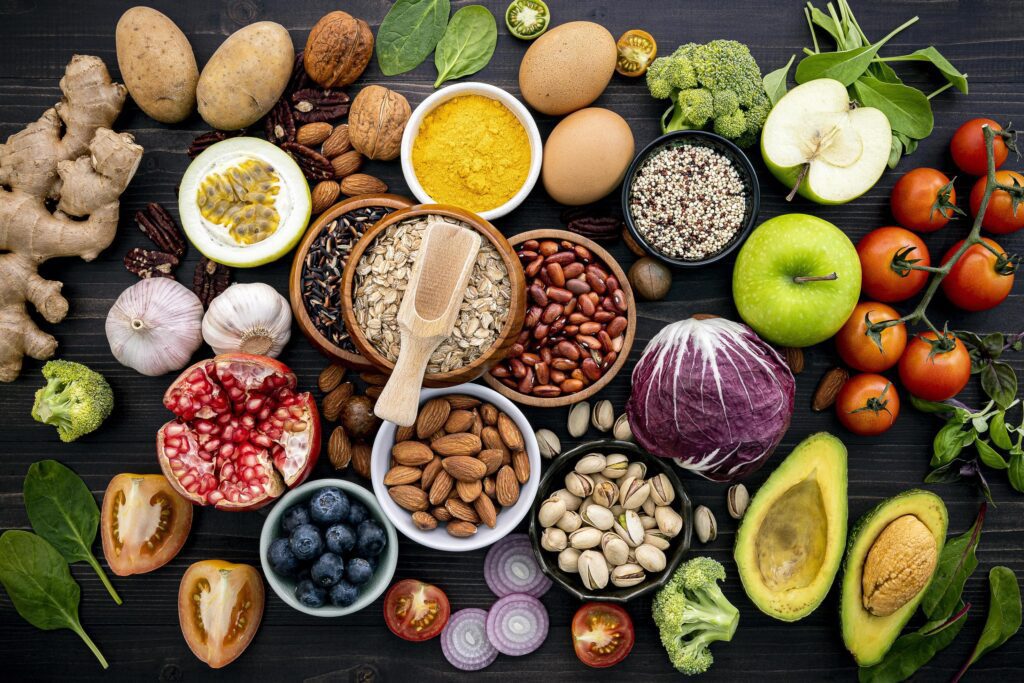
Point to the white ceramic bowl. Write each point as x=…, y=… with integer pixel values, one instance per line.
x=438, y=538
x=474, y=88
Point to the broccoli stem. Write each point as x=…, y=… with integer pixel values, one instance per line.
x=54, y=405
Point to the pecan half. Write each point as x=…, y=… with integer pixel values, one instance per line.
x=207, y=139
x=299, y=79
x=159, y=226
x=146, y=264
x=279, y=124
x=210, y=280
x=317, y=104
x=590, y=222
x=314, y=165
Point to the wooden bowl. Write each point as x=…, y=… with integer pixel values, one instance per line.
x=337, y=354
x=620, y=275
x=517, y=302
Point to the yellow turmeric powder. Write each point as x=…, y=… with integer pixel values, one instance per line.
x=471, y=151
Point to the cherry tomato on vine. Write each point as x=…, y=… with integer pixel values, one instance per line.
x=1002, y=215
x=923, y=200
x=861, y=351
x=416, y=611
x=868, y=404
x=980, y=279
x=935, y=369
x=885, y=256
x=602, y=634
x=968, y=147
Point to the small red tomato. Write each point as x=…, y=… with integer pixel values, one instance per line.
x=416, y=611
x=923, y=200
x=868, y=404
x=980, y=279
x=935, y=369
x=968, y=147
x=1001, y=215
x=885, y=256
x=859, y=350
x=602, y=634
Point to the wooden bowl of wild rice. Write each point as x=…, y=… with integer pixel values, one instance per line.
x=314, y=287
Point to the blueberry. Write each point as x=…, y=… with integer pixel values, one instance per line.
x=357, y=514
x=370, y=539
x=328, y=505
x=359, y=571
x=343, y=594
x=310, y=594
x=374, y=561
x=306, y=542
x=294, y=516
x=282, y=559
x=327, y=570
x=340, y=538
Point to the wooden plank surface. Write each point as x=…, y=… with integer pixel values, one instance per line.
x=142, y=639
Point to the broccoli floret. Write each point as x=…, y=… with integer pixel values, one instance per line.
x=691, y=612
x=75, y=400
x=665, y=75
x=726, y=102
x=695, y=106
x=731, y=125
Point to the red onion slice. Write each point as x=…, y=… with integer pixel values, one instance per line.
x=464, y=640
x=511, y=567
x=517, y=624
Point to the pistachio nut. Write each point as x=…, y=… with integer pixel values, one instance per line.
x=737, y=500
x=551, y=510
x=633, y=492
x=615, y=550
x=591, y=463
x=593, y=570
x=626, y=575
x=568, y=559
x=585, y=537
x=669, y=521
x=598, y=517
x=649, y=506
x=603, y=416
x=657, y=539
x=605, y=493
x=579, y=419
x=621, y=429
x=631, y=557
x=615, y=465
x=579, y=484
x=628, y=526
x=617, y=509
x=637, y=469
x=704, y=524
x=554, y=539
x=548, y=443
x=648, y=522
x=650, y=558
x=598, y=478
x=571, y=500
x=569, y=522
x=584, y=504
x=662, y=490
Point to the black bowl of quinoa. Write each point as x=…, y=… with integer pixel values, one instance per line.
x=690, y=198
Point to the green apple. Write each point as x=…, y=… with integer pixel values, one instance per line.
x=796, y=280
x=817, y=143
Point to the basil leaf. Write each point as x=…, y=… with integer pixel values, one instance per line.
x=993, y=344
x=997, y=431
x=1016, y=471
x=913, y=650
x=934, y=407
x=409, y=33
x=948, y=71
x=39, y=584
x=1004, y=614
x=999, y=381
x=775, y=82
x=956, y=564
x=990, y=456
x=62, y=510
x=948, y=443
x=946, y=474
x=467, y=45
x=908, y=110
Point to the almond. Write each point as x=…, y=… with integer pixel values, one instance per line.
x=339, y=448
x=347, y=164
x=462, y=511
x=459, y=421
x=441, y=514
x=430, y=471
x=374, y=392
x=491, y=458
x=485, y=511
x=424, y=521
x=464, y=468
x=312, y=134
x=432, y=417
x=437, y=435
x=411, y=453
x=828, y=388
x=794, y=359
x=410, y=498
x=332, y=401
x=402, y=474
x=490, y=414
x=509, y=432
x=456, y=445
x=361, y=459
x=461, y=529
x=441, y=487
x=362, y=183
x=477, y=428
x=469, y=491
x=323, y=196
x=490, y=437
x=489, y=487
x=330, y=378
x=404, y=434
x=521, y=466
x=376, y=379
x=506, y=487
x=337, y=142
x=462, y=402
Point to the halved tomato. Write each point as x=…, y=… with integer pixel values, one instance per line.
x=220, y=606
x=144, y=523
x=637, y=50
x=602, y=634
x=416, y=611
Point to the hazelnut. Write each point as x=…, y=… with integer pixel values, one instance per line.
x=338, y=49
x=376, y=122
x=357, y=417
x=650, y=279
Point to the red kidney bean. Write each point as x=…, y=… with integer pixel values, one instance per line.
x=573, y=270
x=546, y=355
x=533, y=268
x=530, y=358
x=558, y=376
x=547, y=391
x=500, y=371
x=589, y=342
x=603, y=316
x=571, y=386
x=596, y=283
x=523, y=337
x=618, y=343
x=563, y=364
x=578, y=374
x=543, y=277
x=619, y=299
x=551, y=313
x=597, y=271
x=562, y=296
x=587, y=306
x=591, y=369
x=569, y=307
x=538, y=294
x=606, y=341
x=531, y=245
x=557, y=327
x=562, y=258
x=577, y=286
x=511, y=384
x=532, y=316
x=541, y=331
x=583, y=253
x=526, y=383
x=571, y=330
x=567, y=350
x=543, y=375
x=578, y=319
x=612, y=283
x=608, y=305
x=590, y=328
x=548, y=247
x=518, y=368
x=554, y=272
x=616, y=327
x=609, y=359
x=527, y=255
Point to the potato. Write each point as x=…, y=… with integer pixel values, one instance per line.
x=246, y=76
x=157, y=64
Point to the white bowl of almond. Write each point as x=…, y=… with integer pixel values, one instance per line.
x=464, y=475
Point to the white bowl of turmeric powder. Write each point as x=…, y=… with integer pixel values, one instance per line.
x=474, y=146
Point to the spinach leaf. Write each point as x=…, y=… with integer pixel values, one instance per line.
x=845, y=66
x=63, y=511
x=990, y=456
x=884, y=72
x=1004, y=615
x=409, y=33
x=911, y=651
x=775, y=82
x=930, y=54
x=997, y=430
x=999, y=381
x=895, y=152
x=39, y=584
x=467, y=45
x=1016, y=471
x=908, y=110
x=956, y=564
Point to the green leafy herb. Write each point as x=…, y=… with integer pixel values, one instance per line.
x=775, y=82
x=990, y=456
x=999, y=381
x=906, y=108
x=957, y=562
x=997, y=431
x=409, y=33
x=1016, y=471
x=39, y=584
x=911, y=651
x=467, y=45
x=63, y=511
x=950, y=440
x=930, y=54
x=1004, y=615
x=845, y=66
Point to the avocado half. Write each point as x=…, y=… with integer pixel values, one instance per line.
x=869, y=637
x=791, y=540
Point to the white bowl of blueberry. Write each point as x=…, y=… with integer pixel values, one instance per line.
x=327, y=549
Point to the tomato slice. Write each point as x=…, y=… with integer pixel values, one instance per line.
x=220, y=606
x=602, y=634
x=416, y=611
x=637, y=49
x=144, y=523
x=527, y=19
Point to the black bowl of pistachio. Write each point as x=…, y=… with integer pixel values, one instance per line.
x=610, y=521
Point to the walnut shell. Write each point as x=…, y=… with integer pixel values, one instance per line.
x=376, y=122
x=338, y=49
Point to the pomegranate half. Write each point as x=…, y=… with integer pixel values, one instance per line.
x=242, y=436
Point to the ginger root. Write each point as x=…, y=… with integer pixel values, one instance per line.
x=71, y=161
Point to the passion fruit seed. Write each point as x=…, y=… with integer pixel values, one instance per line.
x=242, y=199
x=899, y=565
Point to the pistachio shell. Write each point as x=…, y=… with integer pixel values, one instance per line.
x=626, y=575
x=657, y=539
x=633, y=492
x=605, y=493
x=615, y=465
x=551, y=510
x=615, y=550
x=598, y=517
x=621, y=429
x=648, y=522
x=579, y=419
x=584, y=538
x=548, y=443
x=569, y=522
x=593, y=570
x=571, y=500
x=704, y=524
x=568, y=560
x=590, y=464
x=628, y=526
x=637, y=469
x=554, y=539
x=662, y=490
x=669, y=521
x=650, y=558
x=579, y=484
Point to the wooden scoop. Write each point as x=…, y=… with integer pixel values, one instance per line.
x=427, y=314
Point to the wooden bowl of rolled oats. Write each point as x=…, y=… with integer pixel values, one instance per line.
x=378, y=269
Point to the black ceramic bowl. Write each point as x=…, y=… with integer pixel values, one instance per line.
x=719, y=144
x=554, y=479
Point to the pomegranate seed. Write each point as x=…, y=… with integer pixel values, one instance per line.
x=227, y=470
x=297, y=426
x=204, y=426
x=240, y=435
x=215, y=497
x=188, y=479
x=170, y=451
x=296, y=411
x=248, y=421
x=212, y=445
x=229, y=433
x=227, y=450
x=255, y=490
x=262, y=440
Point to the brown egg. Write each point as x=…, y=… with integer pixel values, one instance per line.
x=586, y=156
x=568, y=67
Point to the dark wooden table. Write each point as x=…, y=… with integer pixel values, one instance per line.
x=141, y=638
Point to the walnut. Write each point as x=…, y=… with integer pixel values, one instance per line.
x=376, y=122
x=338, y=49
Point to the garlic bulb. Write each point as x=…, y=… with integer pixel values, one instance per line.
x=155, y=326
x=250, y=318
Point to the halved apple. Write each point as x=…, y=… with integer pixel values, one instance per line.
x=822, y=145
